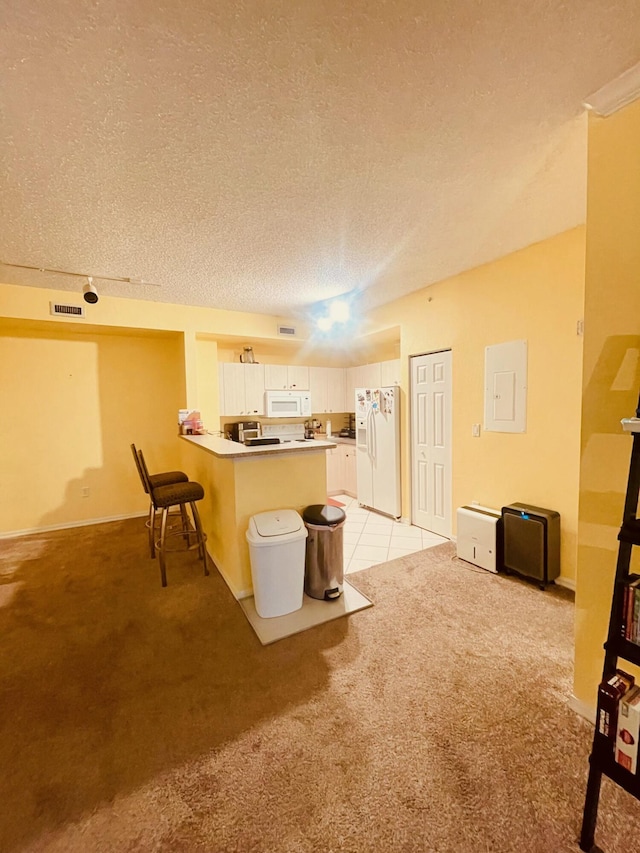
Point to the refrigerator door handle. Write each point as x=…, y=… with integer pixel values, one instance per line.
x=371, y=438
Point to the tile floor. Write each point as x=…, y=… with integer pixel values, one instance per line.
x=371, y=538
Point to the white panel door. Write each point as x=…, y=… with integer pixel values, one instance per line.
x=431, y=442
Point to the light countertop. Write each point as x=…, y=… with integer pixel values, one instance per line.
x=224, y=448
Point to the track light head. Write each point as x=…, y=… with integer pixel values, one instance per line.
x=89, y=292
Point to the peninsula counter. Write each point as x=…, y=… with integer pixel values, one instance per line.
x=241, y=481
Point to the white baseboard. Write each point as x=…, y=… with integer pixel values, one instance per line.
x=586, y=711
x=12, y=534
x=567, y=583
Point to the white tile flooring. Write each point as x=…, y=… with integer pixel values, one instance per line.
x=370, y=538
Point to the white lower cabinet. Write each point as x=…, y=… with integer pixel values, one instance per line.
x=350, y=483
x=334, y=470
x=341, y=470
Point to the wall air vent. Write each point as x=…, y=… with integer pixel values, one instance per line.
x=287, y=331
x=58, y=309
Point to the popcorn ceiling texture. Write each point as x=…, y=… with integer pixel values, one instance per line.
x=261, y=157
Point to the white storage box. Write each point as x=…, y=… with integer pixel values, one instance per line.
x=477, y=531
x=277, y=551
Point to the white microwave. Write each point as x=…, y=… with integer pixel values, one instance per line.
x=287, y=404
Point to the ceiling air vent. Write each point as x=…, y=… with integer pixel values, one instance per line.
x=58, y=309
x=287, y=331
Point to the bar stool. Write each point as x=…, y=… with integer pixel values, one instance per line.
x=163, y=499
x=163, y=478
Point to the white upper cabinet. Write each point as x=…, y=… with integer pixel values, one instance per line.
x=327, y=386
x=298, y=377
x=279, y=377
x=371, y=375
x=336, y=389
x=241, y=389
x=275, y=377
x=318, y=388
x=390, y=372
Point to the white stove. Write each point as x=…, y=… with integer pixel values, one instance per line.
x=285, y=432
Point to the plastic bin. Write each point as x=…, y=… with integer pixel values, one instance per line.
x=276, y=549
x=324, y=565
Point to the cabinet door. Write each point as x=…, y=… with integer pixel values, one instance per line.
x=390, y=372
x=350, y=486
x=221, y=400
x=275, y=377
x=336, y=384
x=318, y=388
x=253, y=389
x=334, y=470
x=233, y=382
x=350, y=390
x=298, y=377
x=371, y=375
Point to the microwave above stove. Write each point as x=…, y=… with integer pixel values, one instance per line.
x=287, y=404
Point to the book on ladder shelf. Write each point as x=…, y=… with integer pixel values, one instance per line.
x=615, y=741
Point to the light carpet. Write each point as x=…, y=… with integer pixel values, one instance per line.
x=135, y=718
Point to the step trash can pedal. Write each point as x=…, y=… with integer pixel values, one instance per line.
x=277, y=553
x=324, y=566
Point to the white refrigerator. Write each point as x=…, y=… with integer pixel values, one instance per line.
x=378, y=449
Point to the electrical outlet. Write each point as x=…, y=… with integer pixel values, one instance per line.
x=85, y=491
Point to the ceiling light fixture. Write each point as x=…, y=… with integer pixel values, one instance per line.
x=89, y=292
x=616, y=94
x=338, y=312
x=128, y=280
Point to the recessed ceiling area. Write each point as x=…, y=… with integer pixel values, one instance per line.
x=264, y=157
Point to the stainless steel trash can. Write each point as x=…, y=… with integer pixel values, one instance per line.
x=324, y=566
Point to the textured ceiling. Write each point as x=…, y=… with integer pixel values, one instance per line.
x=263, y=156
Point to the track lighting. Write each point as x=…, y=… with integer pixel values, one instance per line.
x=89, y=291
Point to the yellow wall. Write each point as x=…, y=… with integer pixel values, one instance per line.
x=72, y=404
x=611, y=375
x=535, y=294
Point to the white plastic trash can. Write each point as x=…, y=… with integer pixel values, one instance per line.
x=277, y=552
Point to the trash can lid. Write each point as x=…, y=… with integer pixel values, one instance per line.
x=324, y=515
x=277, y=522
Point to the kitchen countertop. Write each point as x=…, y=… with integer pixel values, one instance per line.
x=337, y=438
x=224, y=448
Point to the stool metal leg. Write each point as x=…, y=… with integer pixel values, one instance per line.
x=201, y=538
x=186, y=527
x=151, y=524
x=161, y=544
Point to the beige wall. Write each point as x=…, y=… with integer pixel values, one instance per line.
x=611, y=375
x=537, y=295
